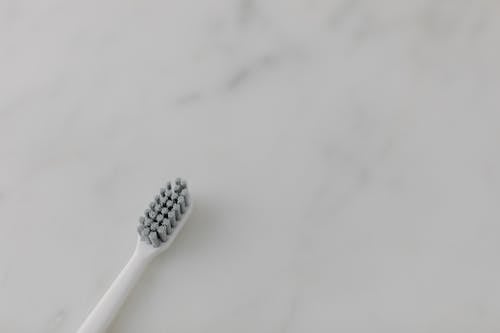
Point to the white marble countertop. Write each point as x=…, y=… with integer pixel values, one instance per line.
x=344, y=158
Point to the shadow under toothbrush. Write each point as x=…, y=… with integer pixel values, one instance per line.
x=198, y=231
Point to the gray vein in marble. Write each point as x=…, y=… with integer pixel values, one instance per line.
x=245, y=73
x=247, y=11
x=342, y=11
x=188, y=98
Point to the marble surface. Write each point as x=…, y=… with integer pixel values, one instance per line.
x=344, y=157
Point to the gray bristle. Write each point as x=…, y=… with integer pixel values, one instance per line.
x=182, y=204
x=145, y=234
x=169, y=186
x=171, y=219
x=185, y=194
x=173, y=222
x=178, y=181
x=167, y=225
x=177, y=211
x=162, y=232
x=153, y=237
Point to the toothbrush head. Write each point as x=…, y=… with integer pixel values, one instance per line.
x=166, y=214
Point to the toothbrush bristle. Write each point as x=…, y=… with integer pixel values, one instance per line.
x=164, y=212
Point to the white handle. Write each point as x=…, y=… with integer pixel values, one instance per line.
x=104, y=312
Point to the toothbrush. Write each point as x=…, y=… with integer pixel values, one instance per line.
x=157, y=229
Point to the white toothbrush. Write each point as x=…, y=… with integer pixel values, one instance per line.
x=157, y=229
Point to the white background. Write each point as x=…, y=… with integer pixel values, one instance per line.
x=343, y=155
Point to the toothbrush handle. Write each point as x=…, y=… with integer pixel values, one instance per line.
x=104, y=312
